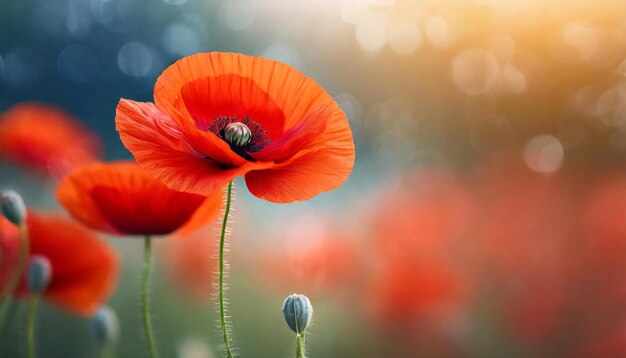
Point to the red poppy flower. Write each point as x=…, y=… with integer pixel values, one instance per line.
x=84, y=269
x=122, y=199
x=417, y=229
x=47, y=139
x=221, y=115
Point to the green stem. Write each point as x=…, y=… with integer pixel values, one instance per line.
x=21, y=265
x=147, y=321
x=7, y=320
x=300, y=346
x=229, y=352
x=32, y=310
x=107, y=351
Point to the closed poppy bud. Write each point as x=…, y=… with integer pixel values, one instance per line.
x=237, y=134
x=39, y=273
x=298, y=312
x=13, y=207
x=105, y=326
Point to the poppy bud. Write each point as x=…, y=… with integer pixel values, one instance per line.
x=298, y=312
x=13, y=207
x=105, y=326
x=237, y=134
x=39, y=274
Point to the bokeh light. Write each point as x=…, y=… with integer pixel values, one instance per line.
x=483, y=216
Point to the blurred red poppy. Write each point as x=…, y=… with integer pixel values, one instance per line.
x=312, y=256
x=84, y=268
x=46, y=139
x=403, y=292
x=121, y=199
x=523, y=244
x=419, y=227
x=221, y=115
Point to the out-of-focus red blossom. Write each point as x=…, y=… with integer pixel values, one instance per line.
x=415, y=265
x=425, y=215
x=46, y=139
x=330, y=264
x=418, y=225
x=608, y=345
x=313, y=257
x=121, y=199
x=190, y=263
x=552, y=258
x=407, y=291
x=603, y=220
x=84, y=268
x=522, y=238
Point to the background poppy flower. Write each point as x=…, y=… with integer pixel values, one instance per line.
x=47, y=139
x=122, y=199
x=417, y=229
x=307, y=255
x=84, y=269
x=300, y=142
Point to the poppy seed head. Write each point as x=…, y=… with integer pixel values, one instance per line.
x=237, y=134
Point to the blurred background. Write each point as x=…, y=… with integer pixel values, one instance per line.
x=486, y=213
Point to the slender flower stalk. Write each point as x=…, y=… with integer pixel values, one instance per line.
x=147, y=320
x=21, y=265
x=9, y=316
x=223, y=322
x=37, y=280
x=30, y=333
x=300, y=345
x=107, y=351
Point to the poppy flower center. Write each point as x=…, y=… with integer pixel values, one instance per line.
x=237, y=134
x=243, y=135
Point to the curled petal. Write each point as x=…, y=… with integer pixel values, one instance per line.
x=161, y=149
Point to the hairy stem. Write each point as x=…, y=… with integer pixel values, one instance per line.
x=21, y=265
x=147, y=320
x=229, y=352
x=300, y=345
x=30, y=333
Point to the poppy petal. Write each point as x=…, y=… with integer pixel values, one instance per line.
x=129, y=201
x=289, y=90
x=159, y=147
x=228, y=96
x=59, y=144
x=296, y=138
x=203, y=142
x=305, y=176
x=72, y=193
x=207, y=213
x=84, y=268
